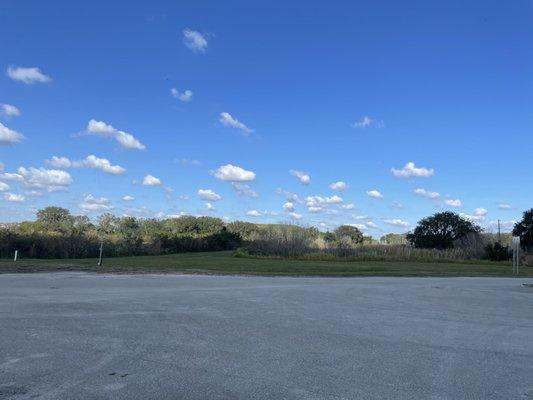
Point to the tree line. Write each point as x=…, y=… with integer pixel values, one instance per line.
x=56, y=233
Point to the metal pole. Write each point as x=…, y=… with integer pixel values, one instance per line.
x=499, y=235
x=16, y=255
x=101, y=253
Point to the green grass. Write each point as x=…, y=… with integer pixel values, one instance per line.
x=225, y=263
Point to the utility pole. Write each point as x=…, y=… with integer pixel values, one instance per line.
x=101, y=253
x=499, y=234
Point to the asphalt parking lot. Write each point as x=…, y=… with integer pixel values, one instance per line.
x=92, y=336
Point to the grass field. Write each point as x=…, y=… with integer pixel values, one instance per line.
x=225, y=263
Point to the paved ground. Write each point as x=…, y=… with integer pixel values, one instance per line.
x=85, y=336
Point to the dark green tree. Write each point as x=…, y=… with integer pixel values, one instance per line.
x=524, y=229
x=355, y=235
x=440, y=230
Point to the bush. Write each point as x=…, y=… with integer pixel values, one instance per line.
x=497, y=252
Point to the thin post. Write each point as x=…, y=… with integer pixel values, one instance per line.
x=16, y=255
x=100, y=258
x=499, y=234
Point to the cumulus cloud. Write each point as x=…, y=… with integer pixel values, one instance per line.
x=124, y=139
x=349, y=206
x=90, y=161
x=194, y=40
x=244, y=189
x=27, y=75
x=317, y=201
x=376, y=194
x=411, y=170
x=51, y=180
x=232, y=173
x=288, y=206
x=15, y=198
x=128, y=198
x=4, y=187
x=209, y=207
x=304, y=178
x=9, y=110
x=208, y=194
x=478, y=215
x=185, y=96
x=253, y=213
x=367, y=122
x=295, y=215
x=91, y=203
x=150, y=180
x=9, y=136
x=425, y=193
x=228, y=121
x=339, y=186
x=453, y=202
x=371, y=224
x=397, y=222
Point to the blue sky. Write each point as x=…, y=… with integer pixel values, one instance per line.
x=332, y=91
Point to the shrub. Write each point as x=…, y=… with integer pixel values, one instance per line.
x=497, y=252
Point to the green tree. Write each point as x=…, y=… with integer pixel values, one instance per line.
x=353, y=233
x=393, y=238
x=524, y=229
x=55, y=219
x=440, y=230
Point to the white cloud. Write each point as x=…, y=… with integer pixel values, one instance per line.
x=9, y=136
x=288, y=206
x=243, y=189
x=453, y=203
x=50, y=179
x=128, y=198
x=150, y=180
x=397, y=222
x=411, y=170
x=90, y=161
x=425, y=193
x=295, y=215
x=361, y=227
x=194, y=40
x=478, y=215
x=91, y=203
x=350, y=206
x=339, y=186
x=253, y=213
x=376, y=194
x=366, y=122
x=9, y=110
x=232, y=173
x=480, y=212
x=304, y=178
x=102, y=129
x=15, y=198
x=504, y=225
x=208, y=194
x=185, y=96
x=372, y=224
x=319, y=201
x=210, y=207
x=504, y=206
x=27, y=75
x=4, y=187
x=228, y=121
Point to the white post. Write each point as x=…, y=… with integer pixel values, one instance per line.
x=16, y=255
x=516, y=253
